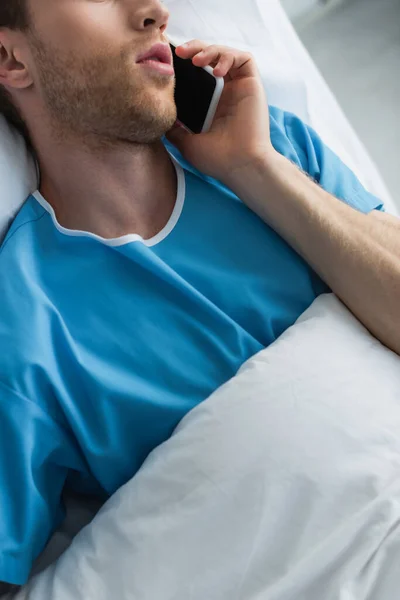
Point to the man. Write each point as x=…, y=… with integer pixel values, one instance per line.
x=144, y=272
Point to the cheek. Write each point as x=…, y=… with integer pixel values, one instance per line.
x=77, y=26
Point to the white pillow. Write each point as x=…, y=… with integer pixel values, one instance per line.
x=283, y=485
x=290, y=77
x=17, y=174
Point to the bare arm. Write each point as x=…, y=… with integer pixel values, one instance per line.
x=357, y=255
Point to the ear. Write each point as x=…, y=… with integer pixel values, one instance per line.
x=14, y=72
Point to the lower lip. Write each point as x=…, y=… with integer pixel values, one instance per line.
x=163, y=68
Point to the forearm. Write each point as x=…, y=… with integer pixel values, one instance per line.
x=357, y=255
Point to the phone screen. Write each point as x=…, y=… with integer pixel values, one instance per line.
x=194, y=92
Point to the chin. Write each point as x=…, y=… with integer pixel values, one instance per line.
x=150, y=115
x=152, y=128
x=166, y=117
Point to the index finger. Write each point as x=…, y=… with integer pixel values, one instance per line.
x=241, y=64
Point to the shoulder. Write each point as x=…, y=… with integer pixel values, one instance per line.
x=25, y=314
x=24, y=223
x=22, y=260
x=18, y=272
x=301, y=144
x=295, y=139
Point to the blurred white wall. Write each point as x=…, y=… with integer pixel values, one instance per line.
x=356, y=45
x=295, y=8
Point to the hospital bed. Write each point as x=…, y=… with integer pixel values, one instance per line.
x=292, y=82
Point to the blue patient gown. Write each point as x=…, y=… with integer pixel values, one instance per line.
x=106, y=344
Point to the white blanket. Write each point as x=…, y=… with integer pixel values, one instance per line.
x=283, y=485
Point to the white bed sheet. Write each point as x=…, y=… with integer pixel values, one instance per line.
x=292, y=82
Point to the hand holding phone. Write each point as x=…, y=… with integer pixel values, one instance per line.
x=239, y=137
x=197, y=93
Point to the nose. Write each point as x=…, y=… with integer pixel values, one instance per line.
x=152, y=14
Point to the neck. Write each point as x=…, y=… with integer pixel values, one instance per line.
x=114, y=191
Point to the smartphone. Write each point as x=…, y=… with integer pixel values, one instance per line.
x=197, y=93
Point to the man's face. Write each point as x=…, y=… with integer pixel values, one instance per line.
x=84, y=67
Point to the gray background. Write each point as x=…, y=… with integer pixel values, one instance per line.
x=356, y=45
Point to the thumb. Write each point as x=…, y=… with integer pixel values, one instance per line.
x=178, y=136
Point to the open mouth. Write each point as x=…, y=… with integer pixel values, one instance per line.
x=158, y=53
x=160, y=67
x=158, y=58
x=152, y=59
